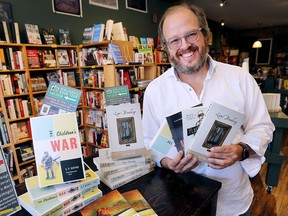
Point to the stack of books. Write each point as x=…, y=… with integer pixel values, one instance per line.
x=115, y=173
x=62, y=199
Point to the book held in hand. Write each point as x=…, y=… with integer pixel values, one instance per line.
x=57, y=149
x=219, y=127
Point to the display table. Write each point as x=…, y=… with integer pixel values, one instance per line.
x=168, y=193
x=273, y=154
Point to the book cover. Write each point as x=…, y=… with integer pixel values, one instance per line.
x=112, y=203
x=33, y=58
x=69, y=78
x=48, y=59
x=219, y=127
x=48, y=35
x=87, y=35
x=63, y=57
x=8, y=196
x=118, y=31
x=41, y=195
x=60, y=99
x=125, y=130
x=175, y=124
x=98, y=32
x=57, y=149
x=162, y=142
x=33, y=34
x=191, y=120
x=116, y=53
x=58, y=206
x=139, y=203
x=53, y=76
x=64, y=37
x=147, y=52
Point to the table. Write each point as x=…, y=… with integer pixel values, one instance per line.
x=273, y=154
x=168, y=193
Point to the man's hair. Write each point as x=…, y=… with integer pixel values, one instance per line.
x=199, y=13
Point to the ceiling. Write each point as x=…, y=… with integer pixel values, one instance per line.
x=246, y=14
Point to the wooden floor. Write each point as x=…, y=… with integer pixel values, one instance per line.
x=276, y=202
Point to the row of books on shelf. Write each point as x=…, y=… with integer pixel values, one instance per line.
x=25, y=152
x=21, y=130
x=9, y=158
x=96, y=56
x=11, y=59
x=93, y=78
x=13, y=84
x=27, y=171
x=18, y=108
x=51, y=58
x=93, y=99
x=98, y=137
x=9, y=31
x=4, y=135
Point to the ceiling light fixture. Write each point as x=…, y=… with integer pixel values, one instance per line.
x=257, y=44
x=223, y=3
x=222, y=23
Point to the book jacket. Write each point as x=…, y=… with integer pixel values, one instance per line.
x=57, y=149
x=60, y=99
x=8, y=197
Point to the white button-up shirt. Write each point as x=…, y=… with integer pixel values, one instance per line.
x=230, y=86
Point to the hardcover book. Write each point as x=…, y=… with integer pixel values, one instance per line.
x=60, y=99
x=64, y=37
x=219, y=127
x=41, y=195
x=57, y=149
x=116, y=53
x=98, y=32
x=63, y=57
x=49, y=36
x=125, y=130
x=33, y=34
x=112, y=203
x=8, y=196
x=87, y=35
x=139, y=203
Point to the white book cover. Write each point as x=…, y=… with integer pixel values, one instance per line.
x=219, y=127
x=125, y=130
x=57, y=148
x=191, y=120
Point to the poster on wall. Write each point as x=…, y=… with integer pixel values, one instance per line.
x=68, y=7
x=5, y=11
x=112, y=4
x=137, y=5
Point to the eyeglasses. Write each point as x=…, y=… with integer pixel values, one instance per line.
x=191, y=37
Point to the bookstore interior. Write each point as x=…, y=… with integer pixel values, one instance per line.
x=75, y=82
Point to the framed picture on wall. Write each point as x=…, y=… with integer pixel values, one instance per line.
x=5, y=11
x=137, y=5
x=112, y=4
x=68, y=7
x=263, y=54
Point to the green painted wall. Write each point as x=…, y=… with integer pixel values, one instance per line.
x=40, y=12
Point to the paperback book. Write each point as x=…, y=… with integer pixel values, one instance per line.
x=57, y=149
x=125, y=130
x=41, y=195
x=33, y=34
x=8, y=196
x=219, y=127
x=60, y=99
x=112, y=203
x=116, y=53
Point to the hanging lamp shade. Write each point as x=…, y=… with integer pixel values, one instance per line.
x=257, y=44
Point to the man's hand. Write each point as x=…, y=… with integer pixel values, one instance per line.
x=221, y=157
x=179, y=164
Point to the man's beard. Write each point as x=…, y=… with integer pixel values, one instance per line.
x=190, y=69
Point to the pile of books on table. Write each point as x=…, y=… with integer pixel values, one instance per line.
x=61, y=199
x=115, y=173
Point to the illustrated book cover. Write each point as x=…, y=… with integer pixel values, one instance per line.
x=57, y=149
x=87, y=35
x=116, y=53
x=64, y=37
x=98, y=32
x=8, y=196
x=48, y=35
x=139, y=203
x=125, y=130
x=41, y=195
x=60, y=99
x=219, y=127
x=33, y=34
x=112, y=203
